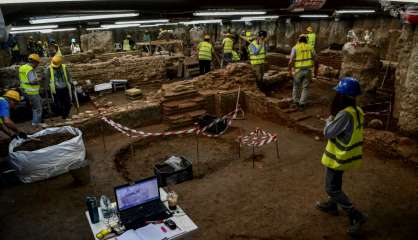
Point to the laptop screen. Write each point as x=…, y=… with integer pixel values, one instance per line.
x=137, y=194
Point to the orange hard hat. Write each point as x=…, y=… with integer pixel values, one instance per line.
x=34, y=57
x=56, y=61
x=12, y=94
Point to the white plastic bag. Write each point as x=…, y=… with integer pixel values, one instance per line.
x=50, y=161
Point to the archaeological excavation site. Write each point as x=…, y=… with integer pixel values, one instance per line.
x=217, y=120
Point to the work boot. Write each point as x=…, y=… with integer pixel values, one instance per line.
x=357, y=219
x=329, y=207
x=301, y=107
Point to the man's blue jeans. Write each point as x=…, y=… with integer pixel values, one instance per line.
x=36, y=102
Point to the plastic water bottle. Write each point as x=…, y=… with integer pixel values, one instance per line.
x=105, y=207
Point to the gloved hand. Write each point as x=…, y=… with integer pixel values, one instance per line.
x=22, y=135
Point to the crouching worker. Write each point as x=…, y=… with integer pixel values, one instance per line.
x=344, y=151
x=58, y=79
x=9, y=101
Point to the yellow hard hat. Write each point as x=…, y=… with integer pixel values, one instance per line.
x=206, y=37
x=248, y=34
x=35, y=57
x=228, y=34
x=56, y=61
x=309, y=29
x=12, y=94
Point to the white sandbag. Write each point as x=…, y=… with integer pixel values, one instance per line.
x=51, y=161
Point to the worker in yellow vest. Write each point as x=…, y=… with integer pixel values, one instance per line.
x=205, y=52
x=58, y=80
x=15, y=52
x=257, y=52
x=228, y=45
x=246, y=39
x=128, y=43
x=344, y=150
x=300, y=67
x=235, y=56
x=29, y=84
x=311, y=37
x=8, y=102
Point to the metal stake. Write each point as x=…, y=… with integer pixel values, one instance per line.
x=197, y=155
x=277, y=149
x=132, y=151
x=253, y=156
x=103, y=138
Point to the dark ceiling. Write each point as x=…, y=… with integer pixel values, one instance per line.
x=19, y=13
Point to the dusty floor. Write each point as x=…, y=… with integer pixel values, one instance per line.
x=233, y=201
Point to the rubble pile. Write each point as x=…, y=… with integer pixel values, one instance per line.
x=137, y=70
x=233, y=76
x=182, y=104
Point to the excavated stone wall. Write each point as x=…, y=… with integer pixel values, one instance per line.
x=102, y=68
x=363, y=63
x=135, y=69
x=99, y=42
x=406, y=94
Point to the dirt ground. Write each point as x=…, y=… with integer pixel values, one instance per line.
x=232, y=200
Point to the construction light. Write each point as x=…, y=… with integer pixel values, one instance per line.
x=260, y=18
x=314, y=16
x=112, y=26
x=202, y=22
x=143, y=21
x=404, y=1
x=58, y=30
x=95, y=28
x=228, y=13
x=72, y=18
x=44, y=30
x=38, y=1
x=355, y=11
x=22, y=28
x=158, y=25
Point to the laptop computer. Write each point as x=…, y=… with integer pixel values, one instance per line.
x=140, y=202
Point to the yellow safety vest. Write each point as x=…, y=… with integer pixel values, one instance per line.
x=340, y=156
x=312, y=40
x=1, y=118
x=52, y=80
x=126, y=46
x=205, y=51
x=235, y=56
x=256, y=59
x=58, y=53
x=228, y=45
x=16, y=48
x=303, y=56
x=24, y=80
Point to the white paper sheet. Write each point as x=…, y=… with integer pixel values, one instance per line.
x=129, y=235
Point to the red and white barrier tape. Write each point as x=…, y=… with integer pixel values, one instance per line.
x=258, y=138
x=137, y=133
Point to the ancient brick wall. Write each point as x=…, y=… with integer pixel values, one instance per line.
x=135, y=69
